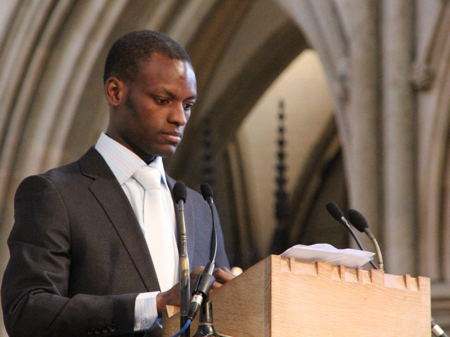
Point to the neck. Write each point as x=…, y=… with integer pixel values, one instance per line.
x=147, y=158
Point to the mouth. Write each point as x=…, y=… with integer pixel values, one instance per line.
x=173, y=137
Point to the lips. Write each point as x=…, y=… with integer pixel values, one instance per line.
x=173, y=137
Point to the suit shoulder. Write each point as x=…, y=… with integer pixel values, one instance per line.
x=193, y=194
x=50, y=179
x=190, y=193
x=62, y=171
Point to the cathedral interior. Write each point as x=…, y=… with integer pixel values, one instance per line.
x=301, y=102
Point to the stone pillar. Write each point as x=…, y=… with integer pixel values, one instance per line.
x=363, y=107
x=399, y=132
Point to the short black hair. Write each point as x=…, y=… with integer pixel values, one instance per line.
x=130, y=50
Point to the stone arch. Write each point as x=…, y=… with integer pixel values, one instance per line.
x=432, y=81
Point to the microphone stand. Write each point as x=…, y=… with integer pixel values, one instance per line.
x=183, y=267
x=206, y=279
x=360, y=223
x=206, y=322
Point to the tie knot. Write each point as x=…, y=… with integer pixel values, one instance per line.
x=149, y=177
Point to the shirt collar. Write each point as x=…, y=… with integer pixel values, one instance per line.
x=124, y=162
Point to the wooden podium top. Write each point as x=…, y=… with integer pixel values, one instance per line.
x=284, y=297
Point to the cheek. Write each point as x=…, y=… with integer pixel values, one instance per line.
x=187, y=114
x=146, y=116
x=150, y=123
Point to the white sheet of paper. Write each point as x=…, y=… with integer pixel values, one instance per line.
x=325, y=252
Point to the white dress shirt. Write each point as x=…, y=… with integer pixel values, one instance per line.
x=124, y=163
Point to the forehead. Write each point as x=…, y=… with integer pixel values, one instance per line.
x=161, y=70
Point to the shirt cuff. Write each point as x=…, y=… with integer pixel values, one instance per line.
x=145, y=311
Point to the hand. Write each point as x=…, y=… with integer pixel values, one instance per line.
x=222, y=275
x=172, y=296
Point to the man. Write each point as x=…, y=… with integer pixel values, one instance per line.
x=90, y=254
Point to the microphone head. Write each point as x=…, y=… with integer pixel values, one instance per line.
x=179, y=192
x=357, y=220
x=335, y=211
x=207, y=191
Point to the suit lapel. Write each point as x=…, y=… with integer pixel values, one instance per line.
x=190, y=224
x=114, y=202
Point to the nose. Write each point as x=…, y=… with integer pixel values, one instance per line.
x=179, y=115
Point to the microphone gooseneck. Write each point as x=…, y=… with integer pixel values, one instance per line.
x=337, y=214
x=207, y=194
x=360, y=223
x=206, y=279
x=179, y=196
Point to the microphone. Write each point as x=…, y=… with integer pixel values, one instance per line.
x=360, y=223
x=337, y=214
x=179, y=196
x=207, y=193
x=206, y=279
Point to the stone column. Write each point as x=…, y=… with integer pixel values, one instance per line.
x=363, y=110
x=399, y=132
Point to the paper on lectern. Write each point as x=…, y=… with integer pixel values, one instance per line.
x=325, y=252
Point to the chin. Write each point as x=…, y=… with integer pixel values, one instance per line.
x=166, y=152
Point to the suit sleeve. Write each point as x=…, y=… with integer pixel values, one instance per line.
x=35, y=289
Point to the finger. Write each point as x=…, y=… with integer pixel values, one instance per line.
x=216, y=285
x=223, y=275
x=226, y=269
x=223, y=269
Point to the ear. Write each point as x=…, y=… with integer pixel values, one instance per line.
x=115, y=91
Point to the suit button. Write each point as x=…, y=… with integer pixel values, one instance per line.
x=112, y=329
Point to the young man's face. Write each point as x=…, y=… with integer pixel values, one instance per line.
x=153, y=108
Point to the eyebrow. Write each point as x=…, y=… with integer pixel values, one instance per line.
x=172, y=95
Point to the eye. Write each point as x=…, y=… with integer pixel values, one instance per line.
x=161, y=100
x=188, y=106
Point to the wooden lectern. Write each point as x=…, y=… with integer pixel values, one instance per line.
x=287, y=298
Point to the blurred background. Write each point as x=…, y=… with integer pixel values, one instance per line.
x=301, y=102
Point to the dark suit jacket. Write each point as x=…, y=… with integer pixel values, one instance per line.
x=78, y=257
